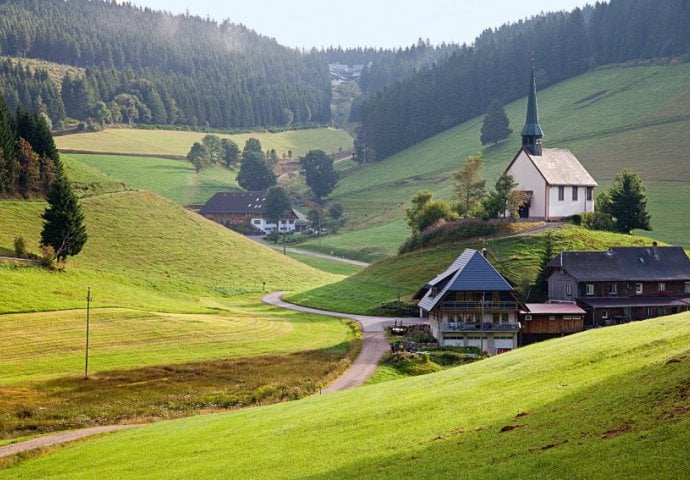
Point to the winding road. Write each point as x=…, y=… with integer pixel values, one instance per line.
x=374, y=346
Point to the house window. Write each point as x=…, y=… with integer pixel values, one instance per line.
x=590, y=289
x=505, y=317
x=494, y=317
x=687, y=287
x=257, y=221
x=589, y=193
x=604, y=314
x=569, y=289
x=561, y=193
x=552, y=317
x=528, y=317
x=638, y=289
x=662, y=286
x=613, y=289
x=575, y=189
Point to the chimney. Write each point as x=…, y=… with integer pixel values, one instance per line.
x=655, y=251
x=484, y=252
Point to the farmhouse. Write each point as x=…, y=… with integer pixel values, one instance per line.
x=472, y=304
x=623, y=283
x=246, y=209
x=555, y=183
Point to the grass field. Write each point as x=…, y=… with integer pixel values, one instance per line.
x=177, y=143
x=172, y=179
x=639, y=121
x=518, y=258
x=604, y=404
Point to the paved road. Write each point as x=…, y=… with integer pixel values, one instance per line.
x=260, y=239
x=62, y=437
x=374, y=343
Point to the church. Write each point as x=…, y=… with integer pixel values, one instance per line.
x=554, y=181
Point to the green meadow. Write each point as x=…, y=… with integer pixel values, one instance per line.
x=609, y=403
x=612, y=118
x=172, y=179
x=518, y=258
x=177, y=143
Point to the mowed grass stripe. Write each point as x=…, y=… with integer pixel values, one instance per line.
x=50, y=344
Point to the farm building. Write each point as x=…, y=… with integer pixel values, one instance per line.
x=555, y=183
x=472, y=304
x=541, y=321
x=246, y=209
x=623, y=283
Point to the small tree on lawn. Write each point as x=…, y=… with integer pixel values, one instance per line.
x=198, y=157
x=469, y=185
x=214, y=148
x=496, y=125
x=255, y=172
x=63, y=227
x=496, y=203
x=628, y=202
x=426, y=211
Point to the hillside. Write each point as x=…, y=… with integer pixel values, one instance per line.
x=589, y=405
x=613, y=118
x=518, y=258
x=152, y=67
x=143, y=252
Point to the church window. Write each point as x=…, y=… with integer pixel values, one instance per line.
x=575, y=189
x=561, y=193
x=590, y=192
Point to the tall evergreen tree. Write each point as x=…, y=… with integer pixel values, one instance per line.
x=628, y=202
x=8, y=166
x=496, y=125
x=63, y=227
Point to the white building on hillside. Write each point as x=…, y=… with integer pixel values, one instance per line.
x=556, y=183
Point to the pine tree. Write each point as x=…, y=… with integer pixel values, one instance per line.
x=628, y=202
x=63, y=227
x=496, y=125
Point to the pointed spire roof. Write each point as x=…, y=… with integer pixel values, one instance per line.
x=532, y=128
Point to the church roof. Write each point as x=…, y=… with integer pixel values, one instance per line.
x=532, y=127
x=559, y=166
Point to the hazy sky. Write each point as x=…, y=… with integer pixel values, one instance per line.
x=377, y=23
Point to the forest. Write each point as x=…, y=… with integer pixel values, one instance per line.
x=150, y=67
x=497, y=66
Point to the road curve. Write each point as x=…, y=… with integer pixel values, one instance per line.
x=374, y=343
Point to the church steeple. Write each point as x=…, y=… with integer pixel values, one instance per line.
x=532, y=133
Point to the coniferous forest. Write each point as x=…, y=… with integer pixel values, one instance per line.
x=497, y=65
x=149, y=67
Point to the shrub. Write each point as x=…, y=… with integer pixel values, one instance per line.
x=48, y=257
x=20, y=250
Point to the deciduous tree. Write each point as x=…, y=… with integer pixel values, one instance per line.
x=496, y=203
x=470, y=186
x=277, y=202
x=318, y=170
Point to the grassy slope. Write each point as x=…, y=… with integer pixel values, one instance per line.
x=172, y=179
x=640, y=122
x=607, y=403
x=518, y=258
x=168, y=142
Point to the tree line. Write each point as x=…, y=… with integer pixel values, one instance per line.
x=497, y=65
x=150, y=67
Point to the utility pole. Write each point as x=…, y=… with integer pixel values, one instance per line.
x=88, y=321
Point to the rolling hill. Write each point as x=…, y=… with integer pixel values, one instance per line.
x=617, y=117
x=608, y=403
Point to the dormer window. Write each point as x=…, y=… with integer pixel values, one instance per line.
x=613, y=289
x=589, y=290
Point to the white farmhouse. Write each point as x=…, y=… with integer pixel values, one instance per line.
x=556, y=183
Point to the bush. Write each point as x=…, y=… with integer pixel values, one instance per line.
x=448, y=233
x=20, y=250
x=48, y=257
x=598, y=221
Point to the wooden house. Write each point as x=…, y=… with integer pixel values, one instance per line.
x=541, y=321
x=246, y=209
x=622, y=283
x=554, y=181
x=472, y=304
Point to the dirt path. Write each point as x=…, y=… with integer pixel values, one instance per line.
x=374, y=343
x=48, y=440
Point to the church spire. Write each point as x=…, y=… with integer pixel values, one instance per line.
x=532, y=133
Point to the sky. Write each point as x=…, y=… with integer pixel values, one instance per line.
x=372, y=23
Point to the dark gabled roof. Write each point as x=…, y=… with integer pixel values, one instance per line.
x=625, y=264
x=470, y=272
x=235, y=202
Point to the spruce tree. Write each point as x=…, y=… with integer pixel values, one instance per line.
x=628, y=202
x=63, y=227
x=496, y=125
